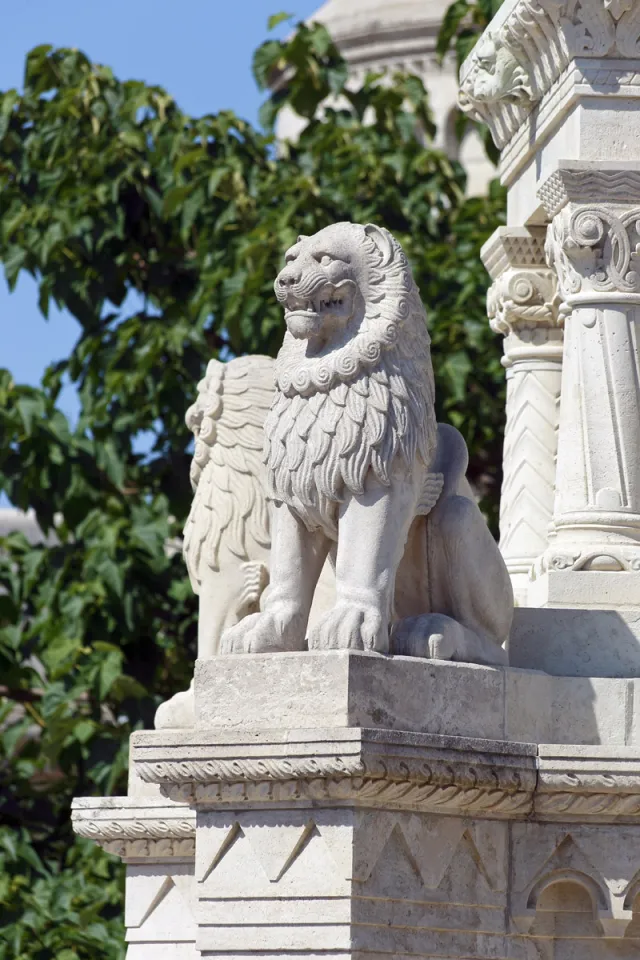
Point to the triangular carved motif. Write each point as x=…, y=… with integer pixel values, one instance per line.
x=396, y=849
x=566, y=855
x=355, y=850
x=467, y=841
x=212, y=844
x=276, y=846
x=144, y=893
x=433, y=844
x=340, y=840
x=489, y=840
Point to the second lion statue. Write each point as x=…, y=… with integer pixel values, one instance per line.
x=359, y=470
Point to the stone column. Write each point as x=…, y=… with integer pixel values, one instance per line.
x=594, y=245
x=522, y=305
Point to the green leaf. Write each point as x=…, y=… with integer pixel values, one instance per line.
x=276, y=19
x=110, y=670
x=111, y=575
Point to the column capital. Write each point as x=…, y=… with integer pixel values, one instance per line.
x=522, y=300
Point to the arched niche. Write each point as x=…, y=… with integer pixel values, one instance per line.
x=566, y=905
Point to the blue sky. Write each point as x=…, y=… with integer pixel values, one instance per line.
x=199, y=50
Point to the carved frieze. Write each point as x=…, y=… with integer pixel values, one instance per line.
x=587, y=782
x=136, y=828
x=530, y=44
x=365, y=768
x=402, y=770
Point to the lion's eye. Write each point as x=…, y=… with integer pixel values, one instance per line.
x=325, y=260
x=289, y=259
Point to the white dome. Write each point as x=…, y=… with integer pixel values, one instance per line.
x=365, y=23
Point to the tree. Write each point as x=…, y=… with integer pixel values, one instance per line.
x=162, y=233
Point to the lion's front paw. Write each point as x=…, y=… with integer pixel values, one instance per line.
x=277, y=630
x=350, y=626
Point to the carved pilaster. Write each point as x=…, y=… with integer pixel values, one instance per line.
x=593, y=243
x=156, y=838
x=522, y=305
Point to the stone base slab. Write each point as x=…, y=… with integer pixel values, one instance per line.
x=320, y=690
x=579, y=624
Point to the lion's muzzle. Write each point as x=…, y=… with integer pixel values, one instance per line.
x=312, y=303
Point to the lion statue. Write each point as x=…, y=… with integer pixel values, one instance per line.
x=227, y=536
x=359, y=471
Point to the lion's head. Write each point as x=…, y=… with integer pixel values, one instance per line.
x=354, y=375
x=347, y=293
x=324, y=283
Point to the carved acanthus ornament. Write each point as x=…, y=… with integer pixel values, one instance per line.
x=531, y=45
x=595, y=249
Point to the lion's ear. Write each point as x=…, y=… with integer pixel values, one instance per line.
x=383, y=241
x=301, y=238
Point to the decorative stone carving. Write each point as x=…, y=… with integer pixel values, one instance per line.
x=227, y=535
x=499, y=75
x=421, y=772
x=355, y=462
x=593, y=247
x=541, y=37
x=586, y=875
x=137, y=828
x=522, y=304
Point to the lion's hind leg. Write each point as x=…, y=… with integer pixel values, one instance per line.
x=438, y=637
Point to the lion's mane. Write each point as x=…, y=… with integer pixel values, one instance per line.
x=229, y=507
x=364, y=402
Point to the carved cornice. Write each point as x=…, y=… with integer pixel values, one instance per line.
x=529, y=44
x=588, y=783
x=373, y=768
x=136, y=828
x=586, y=182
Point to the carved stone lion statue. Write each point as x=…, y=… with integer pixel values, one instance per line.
x=358, y=470
x=227, y=535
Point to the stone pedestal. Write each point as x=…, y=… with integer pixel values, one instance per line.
x=357, y=806
x=156, y=839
